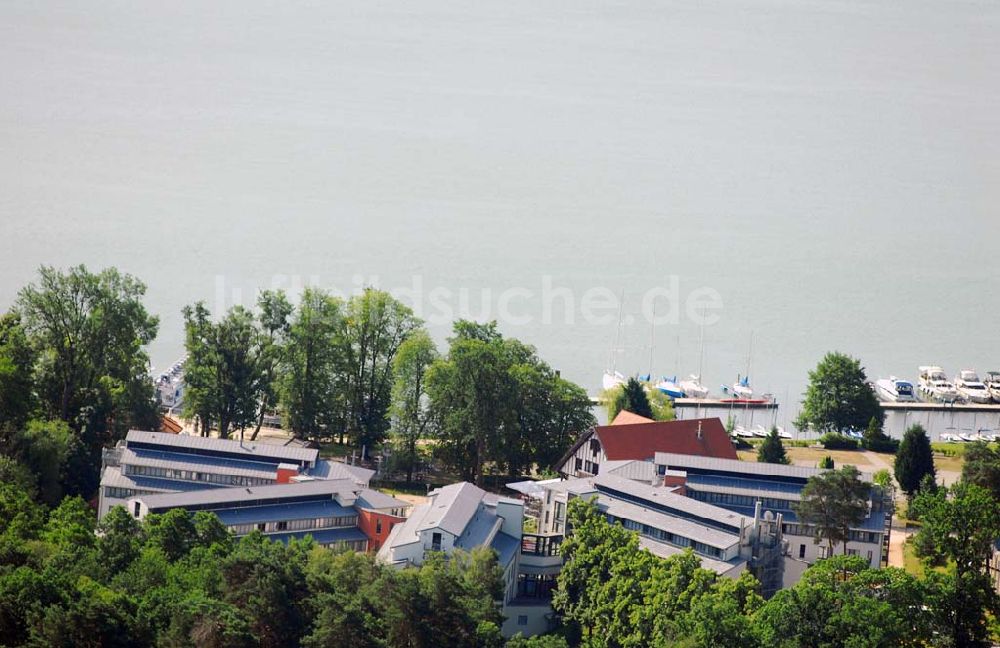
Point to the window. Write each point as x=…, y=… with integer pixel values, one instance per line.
x=578, y=464
x=435, y=542
x=135, y=511
x=802, y=551
x=261, y=527
x=869, y=555
x=378, y=526
x=595, y=447
x=522, y=619
x=282, y=526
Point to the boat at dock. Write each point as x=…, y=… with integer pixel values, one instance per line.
x=992, y=382
x=693, y=388
x=612, y=379
x=741, y=389
x=670, y=387
x=169, y=385
x=894, y=390
x=971, y=388
x=933, y=385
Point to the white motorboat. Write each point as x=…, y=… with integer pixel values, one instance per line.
x=970, y=387
x=693, y=388
x=967, y=436
x=612, y=379
x=933, y=385
x=783, y=434
x=760, y=431
x=952, y=438
x=895, y=390
x=169, y=385
x=992, y=382
x=743, y=432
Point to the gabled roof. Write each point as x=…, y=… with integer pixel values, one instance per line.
x=626, y=417
x=702, y=437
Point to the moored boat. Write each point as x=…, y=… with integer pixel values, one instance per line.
x=894, y=390
x=971, y=388
x=933, y=385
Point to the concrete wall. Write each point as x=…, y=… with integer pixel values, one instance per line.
x=535, y=617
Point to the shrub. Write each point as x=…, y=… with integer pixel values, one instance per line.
x=832, y=441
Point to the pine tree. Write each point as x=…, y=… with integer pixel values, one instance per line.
x=771, y=450
x=914, y=459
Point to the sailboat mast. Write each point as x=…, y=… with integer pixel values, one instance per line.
x=652, y=331
x=613, y=357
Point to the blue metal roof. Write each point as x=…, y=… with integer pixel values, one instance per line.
x=323, y=537
x=277, y=512
x=759, y=485
x=506, y=546
x=194, y=462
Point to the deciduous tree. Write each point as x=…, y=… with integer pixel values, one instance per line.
x=833, y=503
x=838, y=398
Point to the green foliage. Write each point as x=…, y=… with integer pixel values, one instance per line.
x=834, y=441
x=312, y=402
x=17, y=362
x=661, y=405
x=178, y=580
x=883, y=478
x=838, y=397
x=375, y=325
x=914, y=460
x=612, y=594
x=410, y=409
x=227, y=368
x=771, y=450
x=982, y=467
x=44, y=448
x=876, y=440
x=635, y=399
x=833, y=502
x=826, y=463
x=842, y=602
x=494, y=401
x=87, y=333
x=959, y=527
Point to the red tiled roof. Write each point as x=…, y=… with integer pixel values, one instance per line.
x=168, y=424
x=643, y=440
x=626, y=417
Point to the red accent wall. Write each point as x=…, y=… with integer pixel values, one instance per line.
x=368, y=523
x=285, y=475
x=675, y=480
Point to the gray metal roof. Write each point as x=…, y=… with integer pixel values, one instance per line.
x=451, y=507
x=223, y=496
x=330, y=469
x=667, y=497
x=663, y=550
x=198, y=463
x=680, y=462
x=250, y=449
x=113, y=477
x=678, y=526
x=372, y=499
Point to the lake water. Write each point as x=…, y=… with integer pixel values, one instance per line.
x=830, y=168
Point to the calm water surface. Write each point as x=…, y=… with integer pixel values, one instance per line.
x=831, y=168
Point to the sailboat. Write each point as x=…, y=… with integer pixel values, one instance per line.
x=670, y=387
x=612, y=378
x=692, y=387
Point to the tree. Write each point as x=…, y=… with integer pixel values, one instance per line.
x=914, y=460
x=44, y=448
x=375, y=325
x=275, y=311
x=17, y=361
x=772, y=450
x=843, y=602
x=876, y=440
x=494, y=401
x=312, y=403
x=89, y=332
x=410, y=402
x=826, y=463
x=630, y=397
x=226, y=371
x=838, y=398
x=959, y=527
x=833, y=503
x=982, y=467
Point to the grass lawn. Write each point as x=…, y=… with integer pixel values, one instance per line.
x=911, y=563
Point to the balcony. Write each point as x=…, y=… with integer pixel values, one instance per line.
x=541, y=551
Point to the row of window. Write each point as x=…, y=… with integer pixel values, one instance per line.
x=668, y=537
x=192, y=475
x=296, y=525
x=769, y=503
x=351, y=545
x=807, y=530
x=124, y=493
